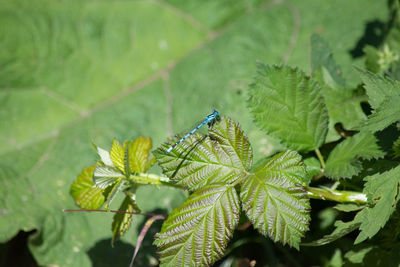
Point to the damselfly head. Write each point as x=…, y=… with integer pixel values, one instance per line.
x=216, y=114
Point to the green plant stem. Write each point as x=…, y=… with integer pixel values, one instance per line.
x=320, y=158
x=153, y=179
x=336, y=195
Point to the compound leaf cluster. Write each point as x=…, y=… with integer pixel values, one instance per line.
x=114, y=173
x=212, y=166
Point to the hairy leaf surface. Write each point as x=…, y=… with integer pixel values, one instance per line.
x=344, y=160
x=139, y=151
x=289, y=105
x=223, y=156
x=197, y=232
x=378, y=87
x=113, y=190
x=104, y=156
x=85, y=194
x=105, y=176
x=387, y=113
x=117, y=155
x=383, y=192
x=275, y=201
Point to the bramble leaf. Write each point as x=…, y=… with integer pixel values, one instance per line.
x=274, y=199
x=289, y=105
x=342, y=229
x=197, y=232
x=383, y=192
x=139, y=151
x=117, y=155
x=387, y=113
x=85, y=194
x=114, y=189
x=378, y=88
x=344, y=160
x=110, y=179
x=223, y=156
x=122, y=221
x=104, y=156
x=322, y=57
x=104, y=177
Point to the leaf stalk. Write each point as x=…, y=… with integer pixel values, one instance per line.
x=336, y=195
x=320, y=158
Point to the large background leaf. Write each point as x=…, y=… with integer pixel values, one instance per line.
x=86, y=71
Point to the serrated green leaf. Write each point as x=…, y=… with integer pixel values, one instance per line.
x=223, y=156
x=342, y=229
x=114, y=189
x=104, y=156
x=321, y=57
x=275, y=201
x=383, y=192
x=344, y=160
x=85, y=194
x=122, y=221
x=378, y=88
x=197, y=232
x=289, y=105
x=104, y=176
x=387, y=113
x=139, y=151
x=348, y=207
x=117, y=155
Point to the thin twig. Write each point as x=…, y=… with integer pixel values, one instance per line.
x=142, y=234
